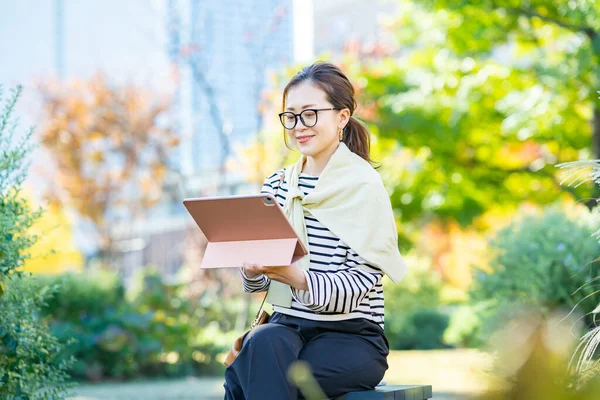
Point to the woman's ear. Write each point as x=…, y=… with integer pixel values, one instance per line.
x=344, y=117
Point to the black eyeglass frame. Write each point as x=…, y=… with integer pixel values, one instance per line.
x=296, y=116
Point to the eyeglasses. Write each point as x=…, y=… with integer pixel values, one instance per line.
x=308, y=117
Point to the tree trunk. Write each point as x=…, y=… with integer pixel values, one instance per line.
x=595, y=195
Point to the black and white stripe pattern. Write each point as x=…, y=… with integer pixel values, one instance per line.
x=341, y=285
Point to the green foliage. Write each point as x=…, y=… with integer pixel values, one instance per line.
x=421, y=330
x=155, y=331
x=546, y=261
x=489, y=23
x=588, y=346
x=580, y=172
x=32, y=363
x=95, y=292
x=486, y=99
x=15, y=215
x=411, y=318
x=464, y=329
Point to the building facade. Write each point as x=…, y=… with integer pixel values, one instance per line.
x=214, y=55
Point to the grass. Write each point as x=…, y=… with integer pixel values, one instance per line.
x=454, y=374
x=462, y=372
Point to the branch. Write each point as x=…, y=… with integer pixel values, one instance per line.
x=214, y=111
x=590, y=32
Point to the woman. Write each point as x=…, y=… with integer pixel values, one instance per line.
x=328, y=308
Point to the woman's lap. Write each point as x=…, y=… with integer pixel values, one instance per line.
x=341, y=362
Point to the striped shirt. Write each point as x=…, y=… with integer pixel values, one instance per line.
x=341, y=285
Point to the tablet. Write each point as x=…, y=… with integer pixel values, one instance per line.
x=250, y=228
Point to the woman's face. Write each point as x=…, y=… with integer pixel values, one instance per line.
x=323, y=137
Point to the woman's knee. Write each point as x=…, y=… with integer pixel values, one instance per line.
x=274, y=336
x=365, y=377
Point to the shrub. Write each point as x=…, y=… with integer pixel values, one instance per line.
x=411, y=317
x=547, y=261
x=464, y=328
x=421, y=330
x=152, y=331
x=32, y=363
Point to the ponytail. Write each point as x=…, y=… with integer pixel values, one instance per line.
x=358, y=139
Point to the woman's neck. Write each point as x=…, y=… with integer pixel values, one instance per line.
x=314, y=165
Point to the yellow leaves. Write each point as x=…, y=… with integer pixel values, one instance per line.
x=95, y=136
x=159, y=171
x=55, y=251
x=97, y=156
x=151, y=190
x=584, y=110
x=516, y=155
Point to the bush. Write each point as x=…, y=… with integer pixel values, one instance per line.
x=411, y=317
x=546, y=261
x=82, y=296
x=421, y=330
x=464, y=328
x=32, y=363
x=113, y=339
x=153, y=331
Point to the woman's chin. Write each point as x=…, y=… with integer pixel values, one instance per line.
x=307, y=151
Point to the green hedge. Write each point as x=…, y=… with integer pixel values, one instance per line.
x=157, y=332
x=545, y=261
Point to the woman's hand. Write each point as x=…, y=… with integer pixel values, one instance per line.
x=249, y=271
x=289, y=274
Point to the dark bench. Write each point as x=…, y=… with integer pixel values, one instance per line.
x=391, y=392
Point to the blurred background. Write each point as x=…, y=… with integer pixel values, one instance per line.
x=473, y=106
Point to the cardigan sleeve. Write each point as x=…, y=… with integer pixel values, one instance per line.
x=340, y=291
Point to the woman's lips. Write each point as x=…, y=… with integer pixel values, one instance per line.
x=303, y=139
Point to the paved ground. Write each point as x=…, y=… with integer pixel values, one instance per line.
x=448, y=371
x=186, y=389
x=191, y=388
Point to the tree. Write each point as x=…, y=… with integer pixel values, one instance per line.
x=266, y=152
x=32, y=365
x=198, y=56
x=563, y=37
x=110, y=150
x=483, y=120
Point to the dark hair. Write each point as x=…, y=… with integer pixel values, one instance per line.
x=340, y=93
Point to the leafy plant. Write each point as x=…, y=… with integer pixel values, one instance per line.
x=32, y=361
x=546, y=261
x=579, y=172
x=151, y=330
x=412, y=320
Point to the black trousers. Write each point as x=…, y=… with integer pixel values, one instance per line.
x=344, y=356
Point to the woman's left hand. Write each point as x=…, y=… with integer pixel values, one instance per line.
x=289, y=274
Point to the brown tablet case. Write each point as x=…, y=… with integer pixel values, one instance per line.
x=242, y=229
